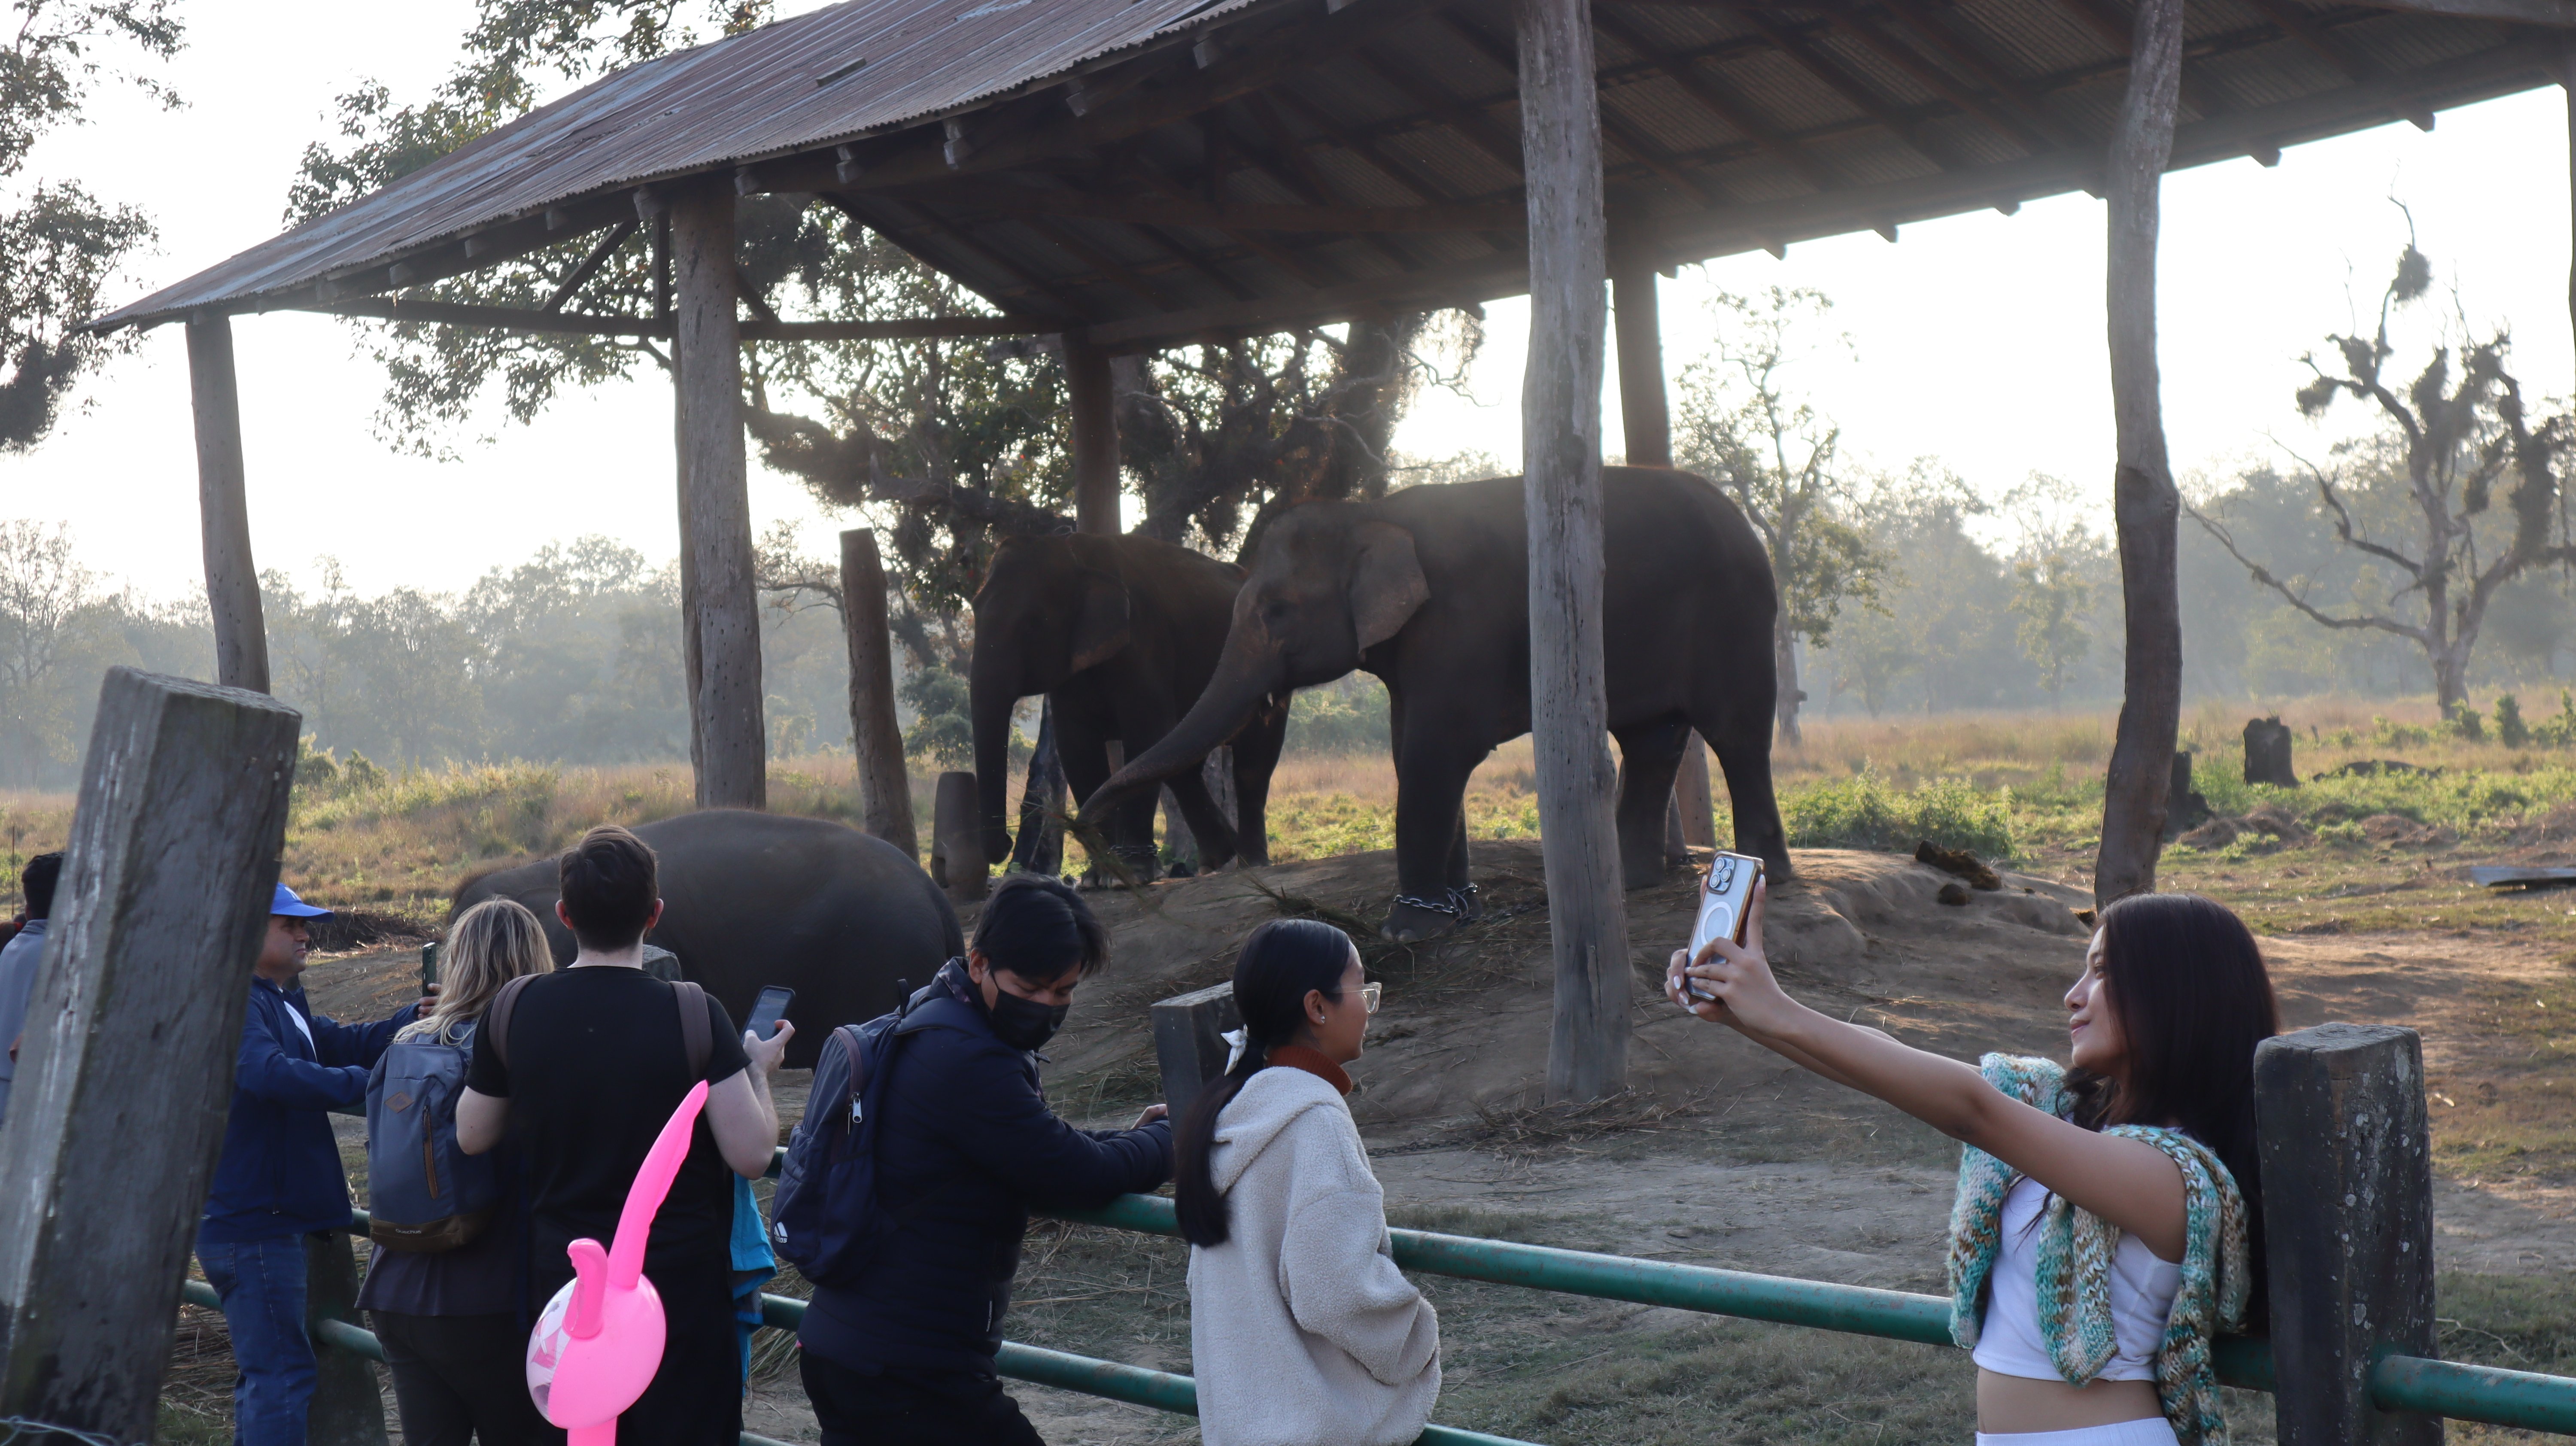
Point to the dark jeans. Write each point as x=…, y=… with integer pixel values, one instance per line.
x=261, y=1285
x=458, y=1377
x=857, y=1409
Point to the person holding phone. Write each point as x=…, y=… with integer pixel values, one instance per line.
x=2109, y=1218
x=1303, y=1331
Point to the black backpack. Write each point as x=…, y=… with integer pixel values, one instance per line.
x=824, y=1219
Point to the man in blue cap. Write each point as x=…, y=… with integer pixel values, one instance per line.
x=280, y=1179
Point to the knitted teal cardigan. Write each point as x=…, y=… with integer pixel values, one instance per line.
x=2075, y=1252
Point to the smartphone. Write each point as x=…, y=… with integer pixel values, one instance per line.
x=1725, y=900
x=428, y=966
x=768, y=1009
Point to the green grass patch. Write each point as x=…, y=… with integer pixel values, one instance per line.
x=1865, y=812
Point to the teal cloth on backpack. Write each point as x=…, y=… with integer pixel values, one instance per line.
x=753, y=1265
x=2075, y=1252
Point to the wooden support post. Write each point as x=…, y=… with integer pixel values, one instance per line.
x=1699, y=815
x=885, y=785
x=1189, y=1041
x=715, y=503
x=1644, y=414
x=2567, y=82
x=2145, y=504
x=223, y=507
x=957, y=861
x=2348, y=1217
x=1561, y=460
x=348, y=1406
x=163, y=903
x=1095, y=436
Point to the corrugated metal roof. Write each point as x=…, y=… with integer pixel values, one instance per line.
x=815, y=79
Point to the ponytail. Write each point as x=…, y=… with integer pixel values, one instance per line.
x=1281, y=963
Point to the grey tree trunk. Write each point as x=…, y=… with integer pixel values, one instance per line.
x=885, y=785
x=163, y=903
x=1561, y=461
x=1095, y=436
x=1784, y=660
x=232, y=580
x=716, y=503
x=2145, y=503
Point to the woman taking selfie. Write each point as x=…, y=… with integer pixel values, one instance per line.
x=1302, y=1330
x=454, y=1330
x=2107, y=1213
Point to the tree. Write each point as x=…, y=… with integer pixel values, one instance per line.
x=1782, y=462
x=2444, y=446
x=2051, y=591
x=41, y=588
x=61, y=247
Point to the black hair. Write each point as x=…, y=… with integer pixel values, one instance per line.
x=2193, y=1000
x=37, y=883
x=1036, y=927
x=1283, y=962
x=609, y=883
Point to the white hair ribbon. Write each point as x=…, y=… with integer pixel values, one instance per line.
x=1235, y=1039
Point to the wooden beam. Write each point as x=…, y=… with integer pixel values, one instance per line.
x=885, y=785
x=2560, y=14
x=1635, y=142
x=733, y=756
x=223, y=509
x=2353, y=64
x=1990, y=72
x=511, y=318
x=2113, y=30
x=1176, y=210
x=160, y=913
x=1938, y=81
x=1717, y=100
x=1109, y=267
x=590, y=264
x=1868, y=102
x=1066, y=305
x=2145, y=505
x=1561, y=452
x=1094, y=417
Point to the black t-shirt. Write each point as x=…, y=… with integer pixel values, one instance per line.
x=597, y=1065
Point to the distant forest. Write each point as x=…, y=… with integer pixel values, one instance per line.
x=573, y=656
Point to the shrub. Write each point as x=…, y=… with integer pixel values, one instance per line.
x=1865, y=813
x=2509, y=726
x=941, y=732
x=2467, y=722
x=2398, y=735
x=2558, y=732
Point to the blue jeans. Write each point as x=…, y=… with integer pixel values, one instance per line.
x=261, y=1283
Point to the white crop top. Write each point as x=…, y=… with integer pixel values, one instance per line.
x=2142, y=1296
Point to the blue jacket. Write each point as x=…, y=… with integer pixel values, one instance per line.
x=966, y=1146
x=280, y=1173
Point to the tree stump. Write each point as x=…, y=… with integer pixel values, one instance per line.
x=2267, y=753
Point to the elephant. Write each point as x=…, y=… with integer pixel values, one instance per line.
x=1121, y=633
x=752, y=899
x=1428, y=589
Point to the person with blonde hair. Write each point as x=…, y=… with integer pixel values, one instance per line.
x=452, y=1321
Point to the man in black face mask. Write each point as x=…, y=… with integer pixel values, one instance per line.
x=901, y=1353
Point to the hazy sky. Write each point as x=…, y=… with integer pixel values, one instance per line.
x=1978, y=339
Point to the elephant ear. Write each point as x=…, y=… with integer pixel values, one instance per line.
x=1100, y=629
x=1387, y=585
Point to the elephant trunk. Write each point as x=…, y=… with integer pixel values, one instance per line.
x=1245, y=677
x=990, y=698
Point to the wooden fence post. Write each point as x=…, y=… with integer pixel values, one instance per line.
x=2146, y=507
x=733, y=757
x=126, y=1069
x=2348, y=1213
x=1189, y=1041
x=957, y=861
x=348, y=1407
x=223, y=505
x=1094, y=407
x=1561, y=460
x=885, y=785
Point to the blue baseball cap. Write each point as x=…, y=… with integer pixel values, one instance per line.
x=285, y=902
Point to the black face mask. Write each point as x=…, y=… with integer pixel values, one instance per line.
x=1025, y=1023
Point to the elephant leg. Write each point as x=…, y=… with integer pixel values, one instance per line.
x=1742, y=741
x=1207, y=821
x=1650, y=754
x=1256, y=756
x=1131, y=835
x=1082, y=746
x=1431, y=772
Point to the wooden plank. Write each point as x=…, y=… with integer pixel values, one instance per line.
x=1182, y=211
x=1095, y=436
x=733, y=753
x=162, y=906
x=2347, y=1166
x=223, y=508
x=1189, y=1041
x=885, y=785
x=511, y=318
x=2145, y=505
x=1561, y=452
x=590, y=264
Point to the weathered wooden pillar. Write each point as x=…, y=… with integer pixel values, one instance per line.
x=348, y=1406
x=1095, y=436
x=2145, y=504
x=2347, y=1166
x=885, y=785
x=1561, y=461
x=2567, y=82
x=223, y=508
x=715, y=534
x=103, y=1165
x=1189, y=1041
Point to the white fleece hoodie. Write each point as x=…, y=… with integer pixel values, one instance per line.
x=1302, y=1331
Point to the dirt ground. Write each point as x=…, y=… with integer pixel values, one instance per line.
x=1720, y=1154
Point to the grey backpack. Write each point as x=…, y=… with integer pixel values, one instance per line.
x=423, y=1193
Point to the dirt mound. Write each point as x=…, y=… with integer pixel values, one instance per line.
x=1465, y=1026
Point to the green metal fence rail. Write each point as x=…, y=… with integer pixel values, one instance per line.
x=2486, y=1394
x=2463, y=1392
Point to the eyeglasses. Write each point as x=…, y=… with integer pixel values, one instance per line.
x=1370, y=994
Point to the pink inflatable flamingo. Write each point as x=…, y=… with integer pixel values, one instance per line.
x=600, y=1340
